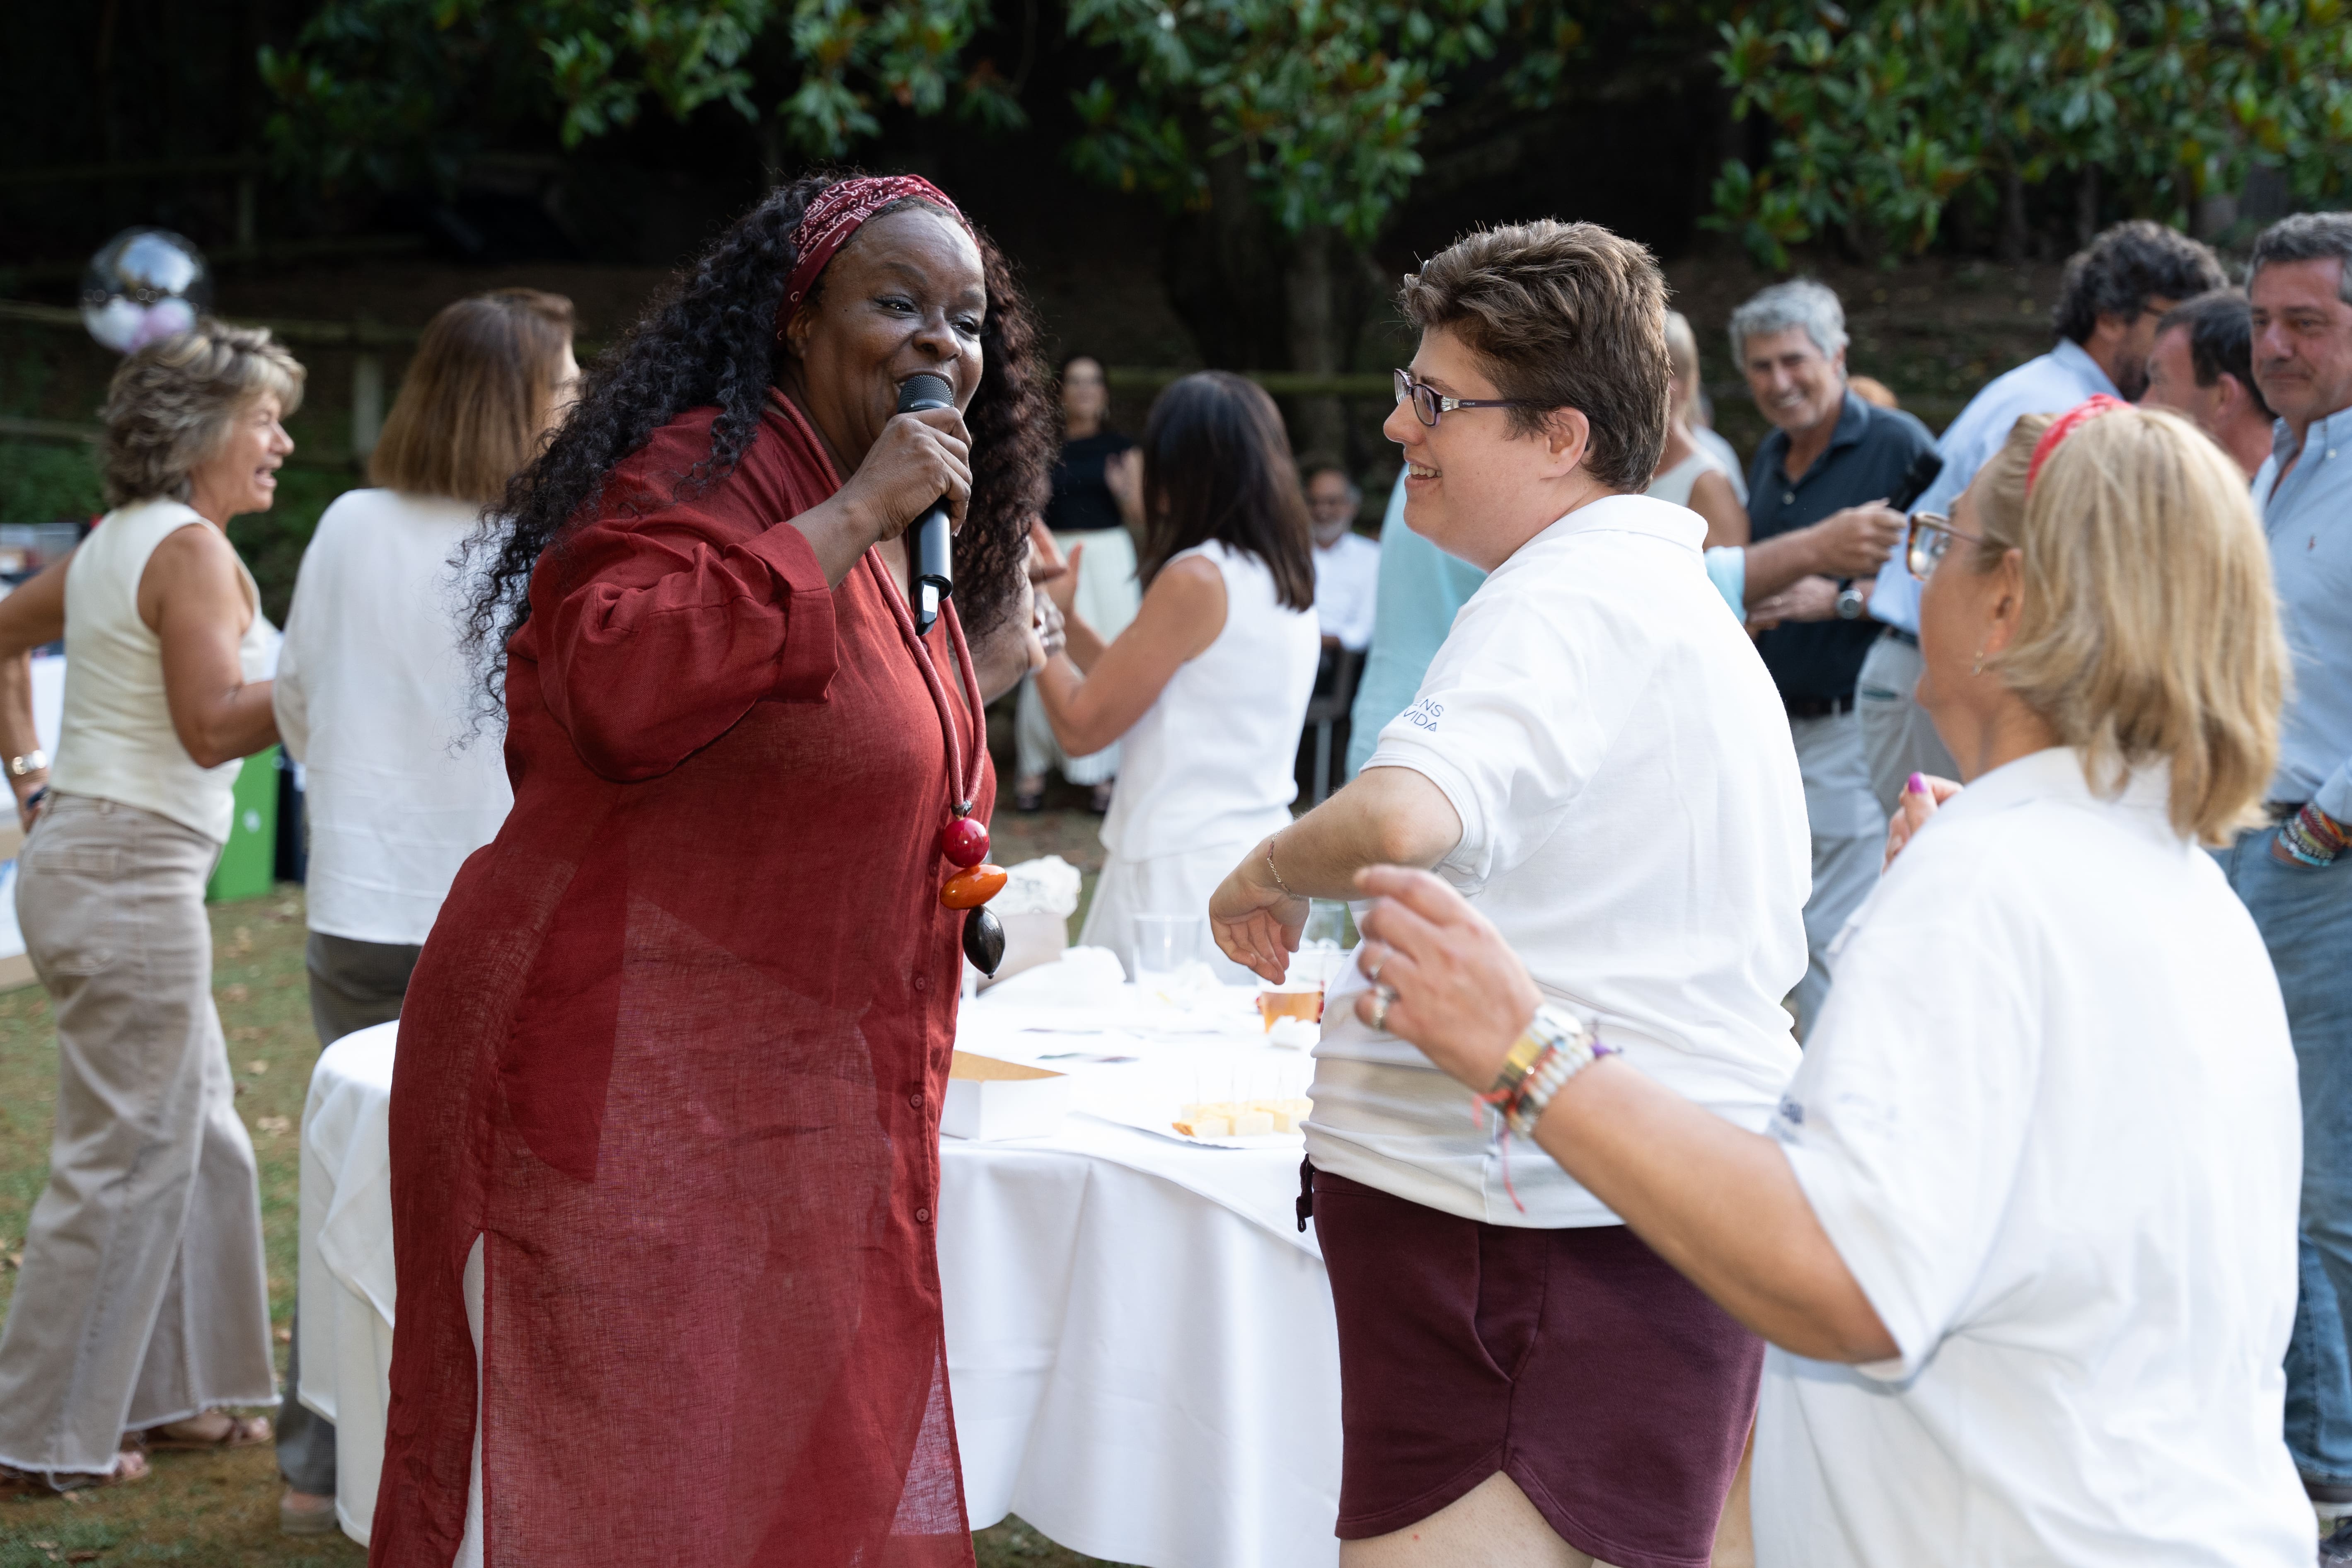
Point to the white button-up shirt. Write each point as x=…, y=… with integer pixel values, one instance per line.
x=2049, y=1119
x=1631, y=819
x=373, y=697
x=2047, y=383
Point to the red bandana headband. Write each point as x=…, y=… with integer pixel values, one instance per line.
x=2065, y=424
x=841, y=210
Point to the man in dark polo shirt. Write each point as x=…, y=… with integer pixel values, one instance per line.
x=1829, y=453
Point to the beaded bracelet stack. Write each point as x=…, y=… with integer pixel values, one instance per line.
x=2314, y=838
x=1555, y=1047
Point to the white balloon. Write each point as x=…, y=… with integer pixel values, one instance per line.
x=143, y=286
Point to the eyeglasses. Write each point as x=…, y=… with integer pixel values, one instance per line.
x=1428, y=403
x=1929, y=541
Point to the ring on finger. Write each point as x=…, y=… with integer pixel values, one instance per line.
x=1379, y=956
x=1382, y=997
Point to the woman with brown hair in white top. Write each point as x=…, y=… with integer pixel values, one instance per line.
x=143, y=1302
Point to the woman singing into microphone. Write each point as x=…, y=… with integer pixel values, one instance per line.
x=665, y=1121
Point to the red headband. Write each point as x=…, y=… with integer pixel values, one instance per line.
x=841, y=210
x=2065, y=424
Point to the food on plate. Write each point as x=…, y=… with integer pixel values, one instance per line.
x=1276, y=1002
x=1241, y=1118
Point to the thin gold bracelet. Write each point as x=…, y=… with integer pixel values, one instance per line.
x=1277, y=874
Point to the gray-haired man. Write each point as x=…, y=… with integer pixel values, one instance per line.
x=1830, y=454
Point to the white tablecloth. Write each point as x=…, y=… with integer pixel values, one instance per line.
x=1141, y=1343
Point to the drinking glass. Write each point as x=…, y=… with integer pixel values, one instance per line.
x=1164, y=944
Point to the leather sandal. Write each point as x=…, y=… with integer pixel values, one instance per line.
x=242, y=1432
x=128, y=1466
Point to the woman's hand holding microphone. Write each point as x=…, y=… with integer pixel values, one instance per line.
x=916, y=459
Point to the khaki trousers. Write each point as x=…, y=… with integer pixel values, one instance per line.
x=1897, y=736
x=144, y=1297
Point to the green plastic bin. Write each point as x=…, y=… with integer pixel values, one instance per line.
x=248, y=861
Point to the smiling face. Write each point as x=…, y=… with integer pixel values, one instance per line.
x=1797, y=386
x=907, y=296
x=2303, y=339
x=242, y=475
x=1474, y=487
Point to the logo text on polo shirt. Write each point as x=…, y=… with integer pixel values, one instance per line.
x=1425, y=713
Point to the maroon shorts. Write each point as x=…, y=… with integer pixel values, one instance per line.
x=1576, y=1362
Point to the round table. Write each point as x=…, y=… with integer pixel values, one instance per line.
x=1140, y=1345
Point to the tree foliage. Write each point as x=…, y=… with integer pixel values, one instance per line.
x=1326, y=98
x=1881, y=118
x=390, y=91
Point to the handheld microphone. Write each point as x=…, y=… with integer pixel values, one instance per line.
x=931, y=569
x=1916, y=480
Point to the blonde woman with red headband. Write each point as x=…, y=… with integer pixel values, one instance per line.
x=2021, y=1233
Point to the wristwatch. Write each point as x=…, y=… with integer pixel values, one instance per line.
x=1849, y=603
x=32, y=762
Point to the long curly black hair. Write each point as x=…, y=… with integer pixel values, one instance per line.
x=710, y=338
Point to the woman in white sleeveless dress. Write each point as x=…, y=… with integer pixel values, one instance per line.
x=143, y=1302
x=1690, y=472
x=1206, y=689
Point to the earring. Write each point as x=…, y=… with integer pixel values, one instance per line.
x=1976, y=665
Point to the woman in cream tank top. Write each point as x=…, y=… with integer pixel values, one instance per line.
x=1206, y=690
x=142, y=1306
x=115, y=741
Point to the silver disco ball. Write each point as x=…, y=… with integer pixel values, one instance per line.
x=145, y=285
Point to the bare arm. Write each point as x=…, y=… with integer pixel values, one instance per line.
x=1712, y=498
x=32, y=615
x=1854, y=542
x=1717, y=1201
x=193, y=596
x=1014, y=649
x=1181, y=616
x=1383, y=816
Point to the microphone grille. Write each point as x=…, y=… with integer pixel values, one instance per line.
x=925, y=391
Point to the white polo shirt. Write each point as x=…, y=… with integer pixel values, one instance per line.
x=2049, y=1119
x=1631, y=820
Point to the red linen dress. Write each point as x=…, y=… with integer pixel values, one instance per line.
x=676, y=1049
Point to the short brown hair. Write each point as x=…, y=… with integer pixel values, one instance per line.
x=170, y=406
x=2150, y=630
x=475, y=400
x=1563, y=315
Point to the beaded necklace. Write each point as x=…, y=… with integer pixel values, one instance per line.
x=964, y=840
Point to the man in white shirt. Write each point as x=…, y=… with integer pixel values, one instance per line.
x=1598, y=757
x=2109, y=301
x=1346, y=564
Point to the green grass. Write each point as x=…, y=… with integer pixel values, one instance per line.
x=220, y=1511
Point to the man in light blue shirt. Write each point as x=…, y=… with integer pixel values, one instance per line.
x=2295, y=877
x=2108, y=304
x=1420, y=589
